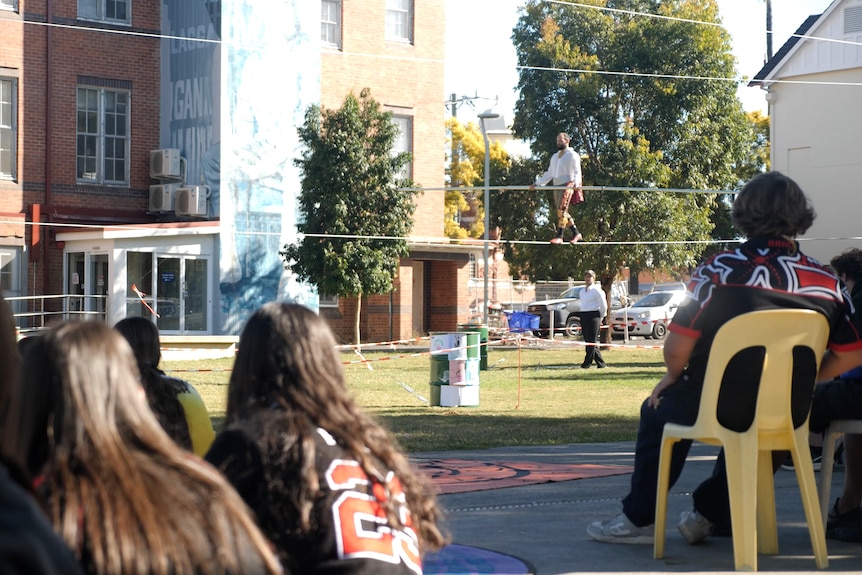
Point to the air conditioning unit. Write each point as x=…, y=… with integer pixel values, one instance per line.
x=162, y=197
x=165, y=163
x=192, y=201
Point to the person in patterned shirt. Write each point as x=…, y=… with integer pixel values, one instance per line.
x=768, y=271
x=327, y=483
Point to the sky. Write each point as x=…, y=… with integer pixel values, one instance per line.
x=481, y=61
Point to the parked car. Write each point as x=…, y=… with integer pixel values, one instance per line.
x=649, y=316
x=565, y=311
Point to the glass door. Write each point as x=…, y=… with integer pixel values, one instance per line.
x=182, y=293
x=195, y=300
x=76, y=283
x=168, y=291
x=97, y=288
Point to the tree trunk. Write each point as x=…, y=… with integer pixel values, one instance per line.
x=356, y=322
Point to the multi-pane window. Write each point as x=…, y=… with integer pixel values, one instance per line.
x=404, y=142
x=330, y=22
x=103, y=135
x=105, y=10
x=8, y=128
x=9, y=5
x=399, y=20
x=327, y=300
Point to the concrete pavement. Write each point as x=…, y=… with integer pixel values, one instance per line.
x=546, y=524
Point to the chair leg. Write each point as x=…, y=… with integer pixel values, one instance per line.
x=660, y=525
x=767, y=523
x=742, y=491
x=808, y=491
x=828, y=455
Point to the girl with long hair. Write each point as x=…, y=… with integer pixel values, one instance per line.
x=177, y=404
x=122, y=495
x=28, y=544
x=327, y=482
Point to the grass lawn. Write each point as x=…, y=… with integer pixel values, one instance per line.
x=527, y=397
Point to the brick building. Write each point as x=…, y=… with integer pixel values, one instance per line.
x=396, y=48
x=93, y=93
x=74, y=91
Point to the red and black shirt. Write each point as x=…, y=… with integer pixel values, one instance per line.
x=762, y=273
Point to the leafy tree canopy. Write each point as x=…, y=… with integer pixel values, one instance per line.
x=349, y=193
x=642, y=100
x=755, y=162
x=467, y=169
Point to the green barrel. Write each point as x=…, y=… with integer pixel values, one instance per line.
x=439, y=376
x=483, y=340
x=435, y=395
x=473, y=340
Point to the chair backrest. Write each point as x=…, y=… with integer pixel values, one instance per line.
x=778, y=353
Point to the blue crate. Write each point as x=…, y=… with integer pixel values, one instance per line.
x=522, y=322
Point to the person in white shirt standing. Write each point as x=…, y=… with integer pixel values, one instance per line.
x=594, y=306
x=565, y=170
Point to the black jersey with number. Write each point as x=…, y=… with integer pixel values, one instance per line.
x=350, y=535
x=763, y=273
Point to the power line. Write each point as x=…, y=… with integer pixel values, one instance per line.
x=217, y=41
x=691, y=21
x=120, y=32
x=438, y=241
x=634, y=13
x=537, y=68
x=585, y=188
x=737, y=80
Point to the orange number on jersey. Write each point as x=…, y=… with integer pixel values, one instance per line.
x=361, y=528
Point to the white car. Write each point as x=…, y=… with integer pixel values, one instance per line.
x=649, y=316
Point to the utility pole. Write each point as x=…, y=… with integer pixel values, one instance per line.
x=453, y=102
x=768, y=30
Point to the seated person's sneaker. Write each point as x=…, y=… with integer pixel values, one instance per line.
x=619, y=529
x=816, y=459
x=848, y=520
x=694, y=526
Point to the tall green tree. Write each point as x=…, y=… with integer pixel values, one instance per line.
x=755, y=162
x=350, y=202
x=640, y=98
x=467, y=169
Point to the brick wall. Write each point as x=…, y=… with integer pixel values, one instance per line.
x=408, y=81
x=11, y=65
x=47, y=130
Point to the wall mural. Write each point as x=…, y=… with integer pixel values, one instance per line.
x=232, y=97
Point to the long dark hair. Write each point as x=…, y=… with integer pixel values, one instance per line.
x=287, y=358
x=772, y=205
x=161, y=390
x=120, y=492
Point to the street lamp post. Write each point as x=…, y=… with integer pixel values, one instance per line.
x=487, y=115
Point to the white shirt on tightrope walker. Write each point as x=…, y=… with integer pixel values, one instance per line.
x=563, y=170
x=593, y=299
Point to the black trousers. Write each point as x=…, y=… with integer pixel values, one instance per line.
x=591, y=323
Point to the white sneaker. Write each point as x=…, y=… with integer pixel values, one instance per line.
x=694, y=526
x=619, y=529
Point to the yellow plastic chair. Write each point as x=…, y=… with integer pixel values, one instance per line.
x=835, y=430
x=748, y=454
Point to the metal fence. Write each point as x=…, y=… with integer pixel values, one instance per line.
x=34, y=313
